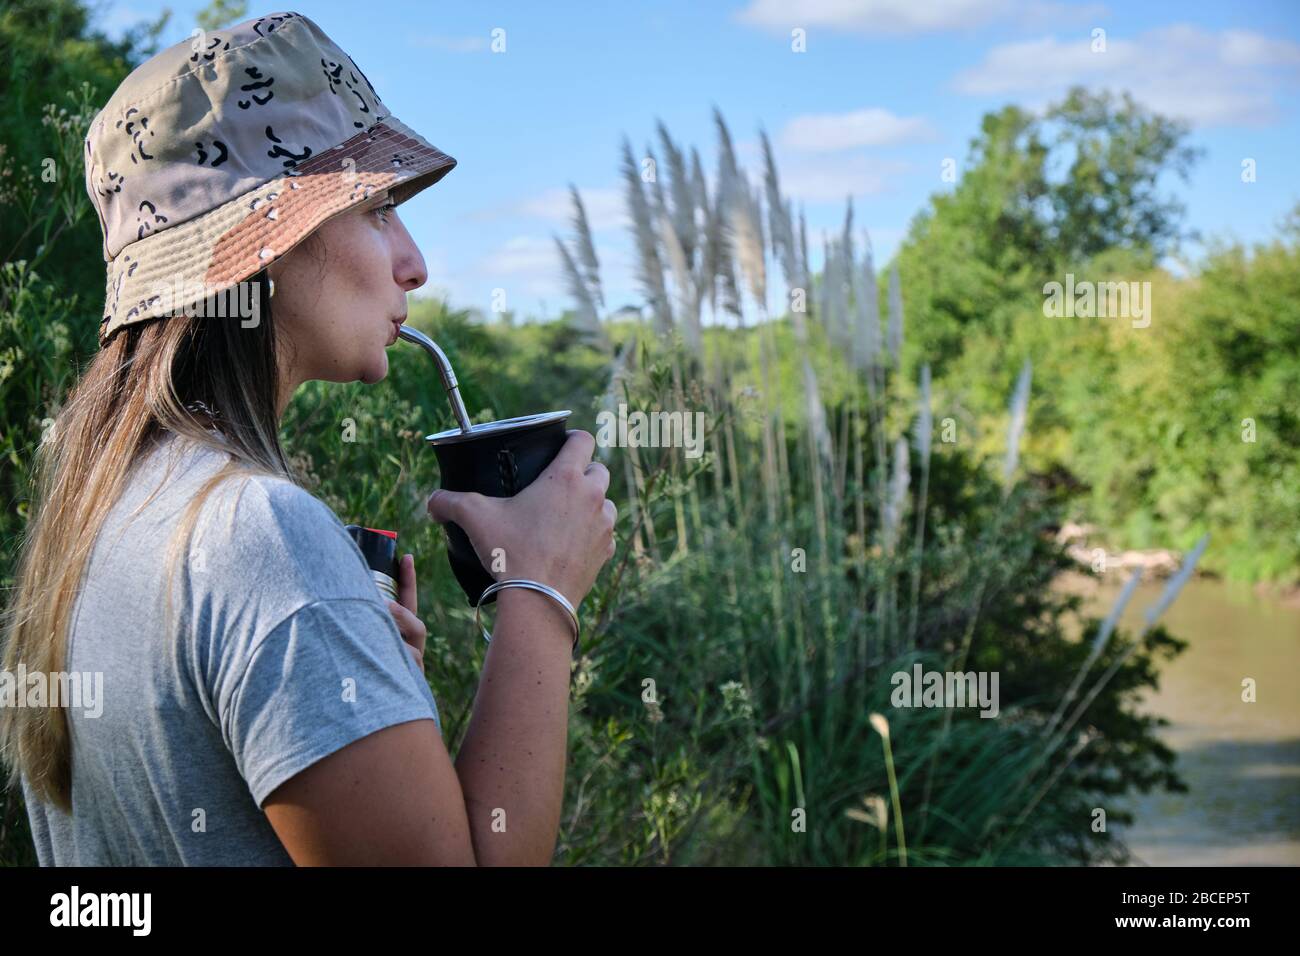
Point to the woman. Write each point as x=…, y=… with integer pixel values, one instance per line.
x=260, y=703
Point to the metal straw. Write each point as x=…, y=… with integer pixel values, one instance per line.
x=444, y=369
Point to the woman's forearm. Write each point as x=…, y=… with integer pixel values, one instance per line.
x=511, y=763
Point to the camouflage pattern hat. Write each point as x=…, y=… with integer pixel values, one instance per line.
x=220, y=154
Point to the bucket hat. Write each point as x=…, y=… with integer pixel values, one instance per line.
x=218, y=155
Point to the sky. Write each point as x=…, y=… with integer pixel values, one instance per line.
x=880, y=95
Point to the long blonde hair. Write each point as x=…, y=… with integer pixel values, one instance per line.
x=135, y=390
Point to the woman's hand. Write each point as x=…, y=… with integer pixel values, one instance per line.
x=406, y=613
x=558, y=531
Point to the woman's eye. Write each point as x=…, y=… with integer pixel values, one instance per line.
x=383, y=211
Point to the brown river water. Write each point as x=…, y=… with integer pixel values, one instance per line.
x=1241, y=760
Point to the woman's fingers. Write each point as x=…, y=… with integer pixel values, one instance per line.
x=418, y=655
x=414, y=633
x=610, y=511
x=406, y=590
x=444, y=505
x=600, y=473
x=410, y=626
x=576, y=451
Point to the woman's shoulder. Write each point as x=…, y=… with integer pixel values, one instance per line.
x=269, y=530
x=291, y=509
x=282, y=502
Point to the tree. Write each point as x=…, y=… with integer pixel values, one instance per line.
x=1040, y=196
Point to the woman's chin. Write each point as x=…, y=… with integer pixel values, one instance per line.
x=375, y=370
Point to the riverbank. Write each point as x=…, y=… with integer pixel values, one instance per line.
x=1083, y=544
x=1241, y=759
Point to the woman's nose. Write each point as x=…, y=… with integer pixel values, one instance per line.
x=408, y=264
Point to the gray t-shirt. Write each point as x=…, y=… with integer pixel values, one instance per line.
x=283, y=652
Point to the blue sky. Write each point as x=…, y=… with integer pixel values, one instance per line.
x=885, y=91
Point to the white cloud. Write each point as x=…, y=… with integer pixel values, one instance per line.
x=528, y=268
x=908, y=16
x=1243, y=48
x=605, y=208
x=824, y=177
x=819, y=133
x=1229, y=78
x=524, y=264
x=833, y=180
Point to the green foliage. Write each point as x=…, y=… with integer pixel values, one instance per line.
x=1036, y=195
x=52, y=282
x=1148, y=420
x=1108, y=197
x=1192, y=424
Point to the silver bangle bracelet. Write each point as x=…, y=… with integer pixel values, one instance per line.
x=531, y=586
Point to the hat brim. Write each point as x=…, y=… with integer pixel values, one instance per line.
x=164, y=272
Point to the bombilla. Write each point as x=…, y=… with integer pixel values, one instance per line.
x=444, y=370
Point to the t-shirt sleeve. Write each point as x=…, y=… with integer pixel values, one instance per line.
x=327, y=675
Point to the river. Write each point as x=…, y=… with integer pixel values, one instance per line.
x=1240, y=760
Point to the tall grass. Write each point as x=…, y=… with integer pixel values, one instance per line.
x=817, y=641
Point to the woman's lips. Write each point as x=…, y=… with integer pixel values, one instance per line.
x=396, y=329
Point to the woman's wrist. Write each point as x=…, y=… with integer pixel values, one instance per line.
x=525, y=604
